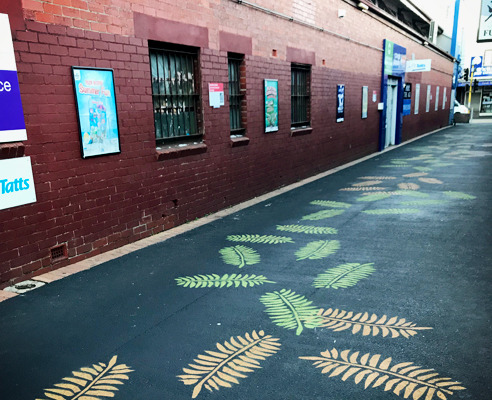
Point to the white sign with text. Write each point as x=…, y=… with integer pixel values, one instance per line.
x=16, y=182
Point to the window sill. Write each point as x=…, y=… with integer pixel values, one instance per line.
x=177, y=152
x=11, y=150
x=239, y=141
x=300, y=131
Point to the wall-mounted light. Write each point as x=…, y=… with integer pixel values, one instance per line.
x=426, y=43
x=363, y=6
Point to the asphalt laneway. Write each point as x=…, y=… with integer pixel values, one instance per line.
x=371, y=283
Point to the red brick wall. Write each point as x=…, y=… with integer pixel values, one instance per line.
x=98, y=204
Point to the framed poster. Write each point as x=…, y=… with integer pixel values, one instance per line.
x=340, y=103
x=437, y=99
x=485, y=22
x=271, y=105
x=365, y=100
x=407, y=98
x=428, y=101
x=96, y=111
x=417, y=98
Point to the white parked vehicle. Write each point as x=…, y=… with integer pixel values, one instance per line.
x=460, y=108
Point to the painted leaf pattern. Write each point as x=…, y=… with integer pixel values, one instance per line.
x=213, y=280
x=423, y=202
x=395, y=166
x=322, y=215
x=318, y=250
x=290, y=310
x=231, y=360
x=392, y=211
x=367, y=183
x=267, y=239
x=459, y=195
x=423, y=169
x=408, y=186
x=344, y=275
x=412, y=193
x=432, y=181
x=340, y=320
x=374, y=197
x=356, y=189
x=239, y=256
x=416, y=174
x=96, y=382
x=334, y=204
x=310, y=230
x=377, y=177
x=404, y=379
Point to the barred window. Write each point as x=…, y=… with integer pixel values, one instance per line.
x=174, y=92
x=300, y=95
x=236, y=93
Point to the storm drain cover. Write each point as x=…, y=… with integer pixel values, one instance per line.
x=23, y=287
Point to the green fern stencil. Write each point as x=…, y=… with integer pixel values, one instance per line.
x=459, y=195
x=374, y=197
x=322, y=215
x=318, y=250
x=412, y=193
x=442, y=164
x=422, y=202
x=334, y=204
x=395, y=166
x=290, y=310
x=310, y=230
x=239, y=256
x=423, y=169
x=343, y=276
x=267, y=239
x=392, y=211
x=236, y=280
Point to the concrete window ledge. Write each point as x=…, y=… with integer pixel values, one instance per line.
x=301, y=131
x=177, y=152
x=239, y=141
x=11, y=150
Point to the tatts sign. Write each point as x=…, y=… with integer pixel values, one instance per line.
x=485, y=23
x=12, y=125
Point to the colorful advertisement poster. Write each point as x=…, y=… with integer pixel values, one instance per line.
x=216, y=94
x=271, y=105
x=12, y=125
x=365, y=100
x=96, y=111
x=407, y=99
x=340, y=103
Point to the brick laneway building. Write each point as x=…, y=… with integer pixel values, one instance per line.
x=178, y=159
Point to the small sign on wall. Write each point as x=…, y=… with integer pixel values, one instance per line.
x=271, y=105
x=16, y=182
x=365, y=100
x=374, y=96
x=216, y=94
x=407, y=98
x=340, y=103
x=12, y=124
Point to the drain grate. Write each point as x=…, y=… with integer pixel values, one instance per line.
x=58, y=253
x=25, y=286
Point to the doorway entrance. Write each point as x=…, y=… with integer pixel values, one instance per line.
x=391, y=111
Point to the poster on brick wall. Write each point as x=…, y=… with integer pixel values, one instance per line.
x=407, y=98
x=96, y=111
x=365, y=100
x=16, y=182
x=340, y=103
x=271, y=105
x=12, y=124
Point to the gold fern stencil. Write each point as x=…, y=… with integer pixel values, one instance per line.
x=231, y=360
x=91, y=383
x=404, y=379
x=340, y=320
x=367, y=183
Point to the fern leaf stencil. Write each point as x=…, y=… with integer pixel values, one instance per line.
x=416, y=174
x=344, y=275
x=322, y=215
x=404, y=379
x=340, y=320
x=423, y=202
x=374, y=197
x=308, y=229
x=394, y=211
x=378, y=178
x=367, y=183
x=423, y=169
x=333, y=204
x=432, y=181
x=412, y=193
x=266, y=239
x=239, y=256
x=356, y=189
x=213, y=280
x=231, y=360
x=408, y=186
x=91, y=383
x=290, y=310
x=459, y=195
x=318, y=249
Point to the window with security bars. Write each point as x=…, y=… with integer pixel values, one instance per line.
x=174, y=93
x=300, y=95
x=236, y=94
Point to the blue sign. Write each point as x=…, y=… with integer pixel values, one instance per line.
x=479, y=69
x=340, y=103
x=407, y=99
x=96, y=109
x=12, y=115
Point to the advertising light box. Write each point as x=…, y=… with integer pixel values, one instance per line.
x=16, y=182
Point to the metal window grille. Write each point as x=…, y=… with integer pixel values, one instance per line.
x=300, y=95
x=174, y=94
x=235, y=95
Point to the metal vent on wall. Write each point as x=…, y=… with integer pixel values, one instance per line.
x=58, y=252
